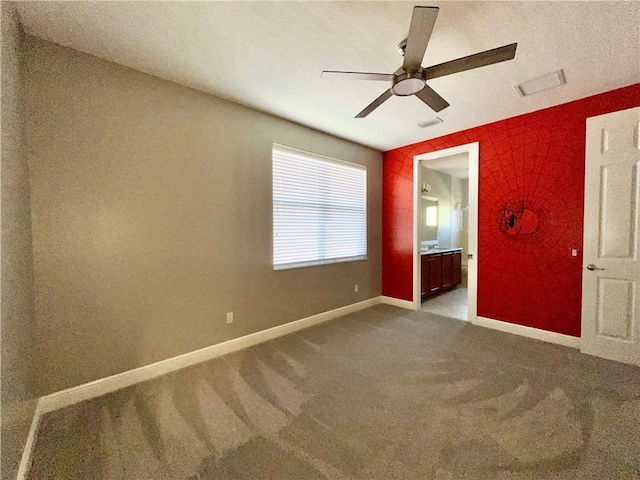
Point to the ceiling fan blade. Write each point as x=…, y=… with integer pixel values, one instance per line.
x=489, y=57
x=422, y=22
x=429, y=96
x=375, y=104
x=357, y=75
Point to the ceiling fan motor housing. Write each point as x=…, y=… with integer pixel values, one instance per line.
x=408, y=83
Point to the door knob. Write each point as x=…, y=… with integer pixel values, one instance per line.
x=592, y=267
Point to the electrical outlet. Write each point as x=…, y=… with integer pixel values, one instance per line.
x=355, y=287
x=229, y=317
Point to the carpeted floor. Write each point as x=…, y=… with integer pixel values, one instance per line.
x=384, y=393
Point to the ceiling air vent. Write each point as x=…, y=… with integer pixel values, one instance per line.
x=540, y=84
x=430, y=123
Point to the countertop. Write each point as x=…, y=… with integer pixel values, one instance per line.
x=440, y=250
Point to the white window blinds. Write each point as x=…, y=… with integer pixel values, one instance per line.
x=319, y=209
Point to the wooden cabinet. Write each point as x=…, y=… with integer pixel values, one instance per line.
x=457, y=268
x=440, y=272
x=447, y=270
x=424, y=275
x=435, y=273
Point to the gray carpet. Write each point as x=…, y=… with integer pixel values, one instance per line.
x=384, y=393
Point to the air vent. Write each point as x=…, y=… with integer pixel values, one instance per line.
x=540, y=84
x=430, y=123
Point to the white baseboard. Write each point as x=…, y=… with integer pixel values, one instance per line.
x=112, y=383
x=87, y=391
x=396, y=302
x=544, y=335
x=97, y=388
x=25, y=461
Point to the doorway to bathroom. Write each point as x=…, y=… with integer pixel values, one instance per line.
x=445, y=232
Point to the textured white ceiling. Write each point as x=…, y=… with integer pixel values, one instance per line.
x=269, y=55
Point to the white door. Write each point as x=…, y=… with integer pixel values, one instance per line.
x=611, y=274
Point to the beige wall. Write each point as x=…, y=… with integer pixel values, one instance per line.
x=152, y=218
x=17, y=321
x=440, y=189
x=449, y=191
x=464, y=234
x=457, y=202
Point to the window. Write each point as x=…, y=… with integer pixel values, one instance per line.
x=432, y=216
x=319, y=209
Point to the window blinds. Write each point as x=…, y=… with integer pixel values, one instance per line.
x=319, y=209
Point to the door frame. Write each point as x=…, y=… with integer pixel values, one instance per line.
x=473, y=150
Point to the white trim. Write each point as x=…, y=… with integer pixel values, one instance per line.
x=25, y=460
x=473, y=149
x=416, y=233
x=102, y=386
x=87, y=391
x=112, y=383
x=530, y=332
x=396, y=302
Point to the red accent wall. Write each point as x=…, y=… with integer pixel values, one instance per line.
x=531, y=202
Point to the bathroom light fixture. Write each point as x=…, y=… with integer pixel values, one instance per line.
x=540, y=84
x=430, y=123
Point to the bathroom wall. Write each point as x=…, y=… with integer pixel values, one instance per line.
x=452, y=194
x=457, y=202
x=440, y=189
x=464, y=233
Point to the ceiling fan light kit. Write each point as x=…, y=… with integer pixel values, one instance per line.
x=407, y=84
x=411, y=78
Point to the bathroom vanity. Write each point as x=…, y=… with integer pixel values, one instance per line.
x=441, y=270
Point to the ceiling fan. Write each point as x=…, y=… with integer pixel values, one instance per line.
x=411, y=78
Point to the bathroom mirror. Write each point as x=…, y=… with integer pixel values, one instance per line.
x=430, y=218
